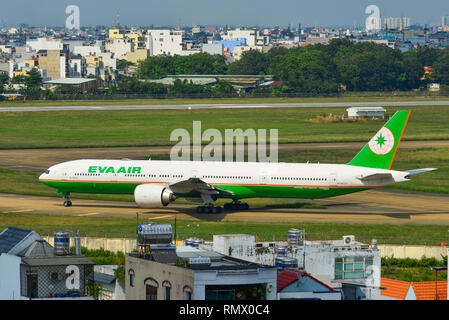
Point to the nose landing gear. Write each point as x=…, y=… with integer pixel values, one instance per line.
x=67, y=202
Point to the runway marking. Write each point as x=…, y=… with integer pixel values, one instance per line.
x=161, y=217
x=87, y=214
x=159, y=210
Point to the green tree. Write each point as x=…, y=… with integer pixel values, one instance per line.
x=4, y=80
x=33, y=79
x=441, y=68
x=252, y=62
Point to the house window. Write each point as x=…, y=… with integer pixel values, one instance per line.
x=151, y=292
x=151, y=286
x=131, y=275
x=187, y=293
x=353, y=268
x=167, y=287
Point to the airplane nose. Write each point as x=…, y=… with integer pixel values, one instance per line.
x=44, y=175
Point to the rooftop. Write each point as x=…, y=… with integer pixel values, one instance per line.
x=70, y=81
x=10, y=237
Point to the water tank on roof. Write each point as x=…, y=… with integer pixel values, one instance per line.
x=194, y=242
x=62, y=243
x=286, y=262
x=281, y=251
x=295, y=237
x=153, y=233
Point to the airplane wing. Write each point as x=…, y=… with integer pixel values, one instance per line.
x=417, y=171
x=197, y=186
x=375, y=176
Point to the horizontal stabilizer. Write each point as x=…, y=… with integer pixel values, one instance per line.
x=416, y=171
x=376, y=176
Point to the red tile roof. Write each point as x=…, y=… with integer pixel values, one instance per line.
x=289, y=276
x=424, y=290
x=430, y=290
x=394, y=288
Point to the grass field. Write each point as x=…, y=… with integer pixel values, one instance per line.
x=351, y=97
x=121, y=227
x=153, y=127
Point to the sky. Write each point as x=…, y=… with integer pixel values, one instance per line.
x=329, y=13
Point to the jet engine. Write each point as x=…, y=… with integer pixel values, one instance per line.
x=153, y=195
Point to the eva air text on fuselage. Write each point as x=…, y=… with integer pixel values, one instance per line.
x=107, y=169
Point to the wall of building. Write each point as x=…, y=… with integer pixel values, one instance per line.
x=10, y=277
x=143, y=269
x=217, y=278
x=127, y=245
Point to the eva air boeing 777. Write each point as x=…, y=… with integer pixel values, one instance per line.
x=158, y=183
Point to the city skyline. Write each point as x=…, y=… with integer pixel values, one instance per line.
x=212, y=12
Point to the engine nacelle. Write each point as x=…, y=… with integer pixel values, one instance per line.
x=153, y=195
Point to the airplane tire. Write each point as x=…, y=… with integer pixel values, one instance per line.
x=200, y=209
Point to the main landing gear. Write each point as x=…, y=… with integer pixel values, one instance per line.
x=209, y=209
x=67, y=202
x=235, y=206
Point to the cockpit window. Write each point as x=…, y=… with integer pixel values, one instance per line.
x=47, y=171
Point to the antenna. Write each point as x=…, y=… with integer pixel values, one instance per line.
x=117, y=21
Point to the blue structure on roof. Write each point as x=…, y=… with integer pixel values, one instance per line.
x=231, y=44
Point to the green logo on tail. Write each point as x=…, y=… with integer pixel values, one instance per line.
x=381, y=149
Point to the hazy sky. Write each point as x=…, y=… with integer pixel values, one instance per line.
x=205, y=12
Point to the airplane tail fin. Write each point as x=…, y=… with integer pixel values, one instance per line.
x=380, y=151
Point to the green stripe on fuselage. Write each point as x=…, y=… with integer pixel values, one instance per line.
x=239, y=191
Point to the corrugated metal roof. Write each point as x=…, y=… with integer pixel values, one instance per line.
x=73, y=81
x=58, y=261
x=39, y=249
x=101, y=278
x=10, y=237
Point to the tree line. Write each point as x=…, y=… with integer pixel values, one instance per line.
x=339, y=66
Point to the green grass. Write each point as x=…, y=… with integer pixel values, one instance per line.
x=123, y=227
x=153, y=127
x=349, y=97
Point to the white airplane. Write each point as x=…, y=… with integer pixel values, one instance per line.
x=158, y=183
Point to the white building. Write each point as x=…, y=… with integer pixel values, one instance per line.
x=119, y=47
x=77, y=67
x=397, y=23
x=31, y=269
x=41, y=44
x=164, y=42
x=366, y=112
x=83, y=51
x=213, y=48
x=237, y=34
x=328, y=261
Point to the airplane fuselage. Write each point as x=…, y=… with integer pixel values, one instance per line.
x=241, y=179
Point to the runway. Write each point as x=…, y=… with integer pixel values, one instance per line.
x=40, y=159
x=373, y=206
x=227, y=106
